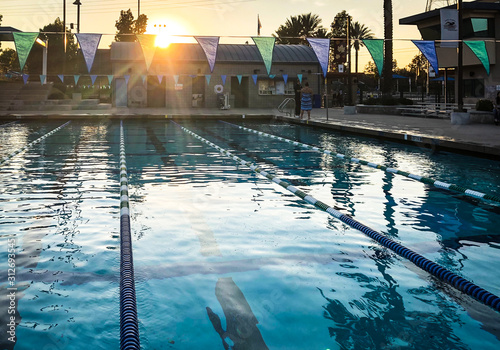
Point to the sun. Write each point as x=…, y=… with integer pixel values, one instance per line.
x=168, y=32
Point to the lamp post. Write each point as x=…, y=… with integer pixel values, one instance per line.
x=460, y=81
x=78, y=4
x=349, y=87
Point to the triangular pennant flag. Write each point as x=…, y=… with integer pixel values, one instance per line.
x=265, y=45
x=76, y=77
x=61, y=76
x=299, y=76
x=143, y=77
x=207, y=77
x=88, y=44
x=479, y=49
x=209, y=44
x=160, y=78
x=285, y=78
x=110, y=79
x=321, y=48
x=24, y=42
x=25, y=78
x=147, y=42
x=376, y=49
x=428, y=49
x=93, y=78
x=272, y=76
x=176, y=78
x=254, y=77
x=127, y=77
x=239, y=78
x=223, y=77
x=43, y=79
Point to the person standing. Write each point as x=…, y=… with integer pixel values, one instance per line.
x=306, y=100
x=297, y=89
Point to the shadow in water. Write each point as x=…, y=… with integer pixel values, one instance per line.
x=241, y=324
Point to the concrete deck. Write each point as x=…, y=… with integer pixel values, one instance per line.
x=477, y=139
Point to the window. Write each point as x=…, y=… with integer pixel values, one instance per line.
x=275, y=87
x=479, y=28
x=473, y=87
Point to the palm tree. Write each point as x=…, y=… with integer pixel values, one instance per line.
x=387, y=78
x=359, y=32
x=297, y=28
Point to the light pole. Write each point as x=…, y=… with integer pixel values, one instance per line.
x=78, y=4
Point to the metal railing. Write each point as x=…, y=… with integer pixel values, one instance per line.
x=287, y=102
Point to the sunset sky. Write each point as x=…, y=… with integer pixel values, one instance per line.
x=234, y=20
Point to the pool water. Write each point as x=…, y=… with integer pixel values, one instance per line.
x=226, y=259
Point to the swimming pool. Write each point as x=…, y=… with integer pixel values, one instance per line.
x=226, y=258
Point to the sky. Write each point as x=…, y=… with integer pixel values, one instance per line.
x=235, y=21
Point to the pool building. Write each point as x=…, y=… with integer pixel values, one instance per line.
x=180, y=77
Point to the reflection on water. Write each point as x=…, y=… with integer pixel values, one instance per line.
x=285, y=274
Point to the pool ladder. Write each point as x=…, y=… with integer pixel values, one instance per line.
x=283, y=106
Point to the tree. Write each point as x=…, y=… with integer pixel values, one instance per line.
x=126, y=25
x=387, y=81
x=9, y=61
x=338, y=31
x=358, y=33
x=297, y=28
x=57, y=59
x=1, y=23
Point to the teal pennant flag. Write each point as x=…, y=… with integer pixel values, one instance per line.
x=479, y=49
x=376, y=49
x=24, y=42
x=148, y=47
x=265, y=45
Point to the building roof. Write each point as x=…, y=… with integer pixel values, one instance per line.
x=6, y=33
x=467, y=6
x=126, y=51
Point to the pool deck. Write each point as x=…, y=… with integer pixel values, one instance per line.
x=477, y=139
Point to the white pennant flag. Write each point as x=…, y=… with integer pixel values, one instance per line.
x=89, y=44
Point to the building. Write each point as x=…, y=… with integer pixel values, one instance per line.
x=180, y=77
x=481, y=21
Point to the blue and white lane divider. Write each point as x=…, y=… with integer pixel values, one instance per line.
x=129, y=325
x=426, y=180
x=20, y=150
x=431, y=267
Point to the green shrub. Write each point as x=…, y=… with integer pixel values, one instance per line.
x=371, y=101
x=56, y=95
x=484, y=105
x=405, y=101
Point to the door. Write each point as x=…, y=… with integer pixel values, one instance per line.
x=121, y=97
x=240, y=92
x=155, y=91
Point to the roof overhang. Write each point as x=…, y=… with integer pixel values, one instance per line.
x=467, y=7
x=6, y=33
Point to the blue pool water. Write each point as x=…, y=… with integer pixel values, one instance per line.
x=225, y=258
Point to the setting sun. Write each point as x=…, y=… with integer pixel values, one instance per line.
x=168, y=32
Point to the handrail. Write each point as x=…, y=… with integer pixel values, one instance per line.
x=286, y=101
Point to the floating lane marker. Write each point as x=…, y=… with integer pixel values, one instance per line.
x=129, y=325
x=431, y=267
x=20, y=150
x=425, y=180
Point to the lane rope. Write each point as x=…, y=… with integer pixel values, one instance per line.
x=129, y=325
x=21, y=150
x=425, y=180
x=425, y=264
